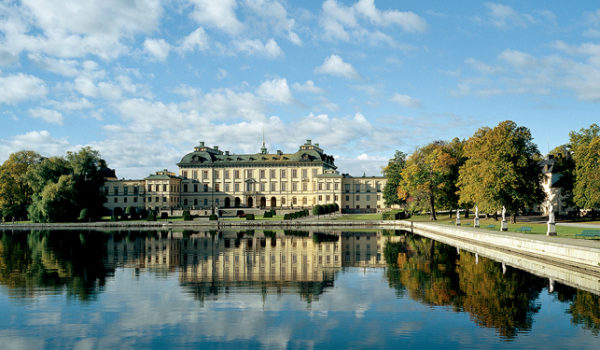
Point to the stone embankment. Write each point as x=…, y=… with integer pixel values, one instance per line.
x=577, y=253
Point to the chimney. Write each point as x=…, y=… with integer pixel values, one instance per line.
x=279, y=152
x=201, y=143
x=216, y=148
x=308, y=142
x=226, y=153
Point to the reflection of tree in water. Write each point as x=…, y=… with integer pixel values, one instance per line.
x=53, y=260
x=502, y=301
x=423, y=268
x=584, y=308
x=434, y=274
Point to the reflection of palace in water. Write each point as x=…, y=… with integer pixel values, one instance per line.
x=251, y=256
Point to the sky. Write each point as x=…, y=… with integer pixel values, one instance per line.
x=144, y=81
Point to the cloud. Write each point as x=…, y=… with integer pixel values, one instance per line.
x=517, y=59
x=308, y=86
x=406, y=101
x=20, y=87
x=335, y=65
x=47, y=115
x=344, y=22
x=217, y=14
x=39, y=141
x=273, y=17
x=157, y=48
x=504, y=16
x=65, y=29
x=196, y=40
x=270, y=49
x=276, y=90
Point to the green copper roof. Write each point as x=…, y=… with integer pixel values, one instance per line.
x=206, y=156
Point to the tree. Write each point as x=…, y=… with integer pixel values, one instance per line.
x=501, y=169
x=564, y=165
x=15, y=192
x=50, y=179
x=393, y=173
x=430, y=175
x=585, y=145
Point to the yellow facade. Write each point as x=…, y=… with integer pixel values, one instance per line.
x=209, y=178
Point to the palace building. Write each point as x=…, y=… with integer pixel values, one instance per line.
x=210, y=178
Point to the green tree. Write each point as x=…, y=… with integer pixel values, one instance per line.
x=57, y=202
x=430, y=175
x=585, y=145
x=501, y=169
x=15, y=192
x=393, y=173
x=87, y=169
x=564, y=165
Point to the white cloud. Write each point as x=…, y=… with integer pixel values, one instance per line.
x=276, y=90
x=47, y=115
x=308, y=86
x=481, y=67
x=270, y=49
x=19, y=87
x=408, y=21
x=196, y=40
x=517, y=59
x=71, y=29
x=504, y=16
x=274, y=17
x=343, y=22
x=158, y=48
x=406, y=101
x=39, y=141
x=335, y=65
x=217, y=14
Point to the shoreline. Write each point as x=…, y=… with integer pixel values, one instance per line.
x=578, y=253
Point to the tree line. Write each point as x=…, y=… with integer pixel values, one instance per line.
x=55, y=189
x=496, y=167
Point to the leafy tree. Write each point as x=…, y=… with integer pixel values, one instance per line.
x=15, y=192
x=585, y=145
x=83, y=171
x=393, y=173
x=430, y=176
x=564, y=164
x=501, y=169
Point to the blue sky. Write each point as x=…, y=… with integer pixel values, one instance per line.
x=145, y=81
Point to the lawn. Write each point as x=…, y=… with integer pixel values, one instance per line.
x=561, y=231
x=358, y=217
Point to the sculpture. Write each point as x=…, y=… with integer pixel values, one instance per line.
x=476, y=211
x=503, y=213
x=457, y=214
x=551, y=218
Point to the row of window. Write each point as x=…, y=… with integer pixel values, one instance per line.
x=367, y=187
x=262, y=173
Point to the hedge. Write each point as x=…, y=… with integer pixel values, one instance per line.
x=395, y=215
x=249, y=216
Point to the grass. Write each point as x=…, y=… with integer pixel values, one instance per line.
x=358, y=217
x=561, y=231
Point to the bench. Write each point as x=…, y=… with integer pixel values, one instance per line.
x=491, y=226
x=588, y=233
x=524, y=229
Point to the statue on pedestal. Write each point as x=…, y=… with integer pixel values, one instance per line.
x=476, y=219
x=503, y=213
x=457, y=217
x=551, y=218
x=504, y=225
x=551, y=222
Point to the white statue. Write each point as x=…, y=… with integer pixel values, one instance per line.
x=503, y=213
x=551, y=214
x=476, y=211
x=457, y=214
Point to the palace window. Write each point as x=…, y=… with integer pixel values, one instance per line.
x=294, y=186
x=368, y=198
x=195, y=201
x=217, y=174
x=217, y=187
x=335, y=186
x=320, y=198
x=125, y=190
x=273, y=187
x=304, y=173
x=204, y=174
x=357, y=187
x=195, y=187
x=184, y=174
x=237, y=187
x=236, y=174
x=283, y=186
x=248, y=173
x=226, y=187
x=185, y=201
x=262, y=173
x=262, y=186
x=304, y=186
x=149, y=188
x=164, y=188
x=328, y=185
x=194, y=174
x=185, y=187
x=283, y=173
x=205, y=201
x=320, y=186
x=314, y=172
x=357, y=197
x=272, y=173
x=347, y=188
x=327, y=198
x=294, y=173
x=304, y=201
x=164, y=199
x=226, y=174
x=116, y=191
x=205, y=187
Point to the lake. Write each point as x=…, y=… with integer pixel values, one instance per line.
x=276, y=289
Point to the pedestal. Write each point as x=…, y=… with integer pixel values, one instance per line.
x=551, y=229
x=504, y=226
x=476, y=222
x=457, y=221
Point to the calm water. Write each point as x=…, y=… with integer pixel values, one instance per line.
x=275, y=289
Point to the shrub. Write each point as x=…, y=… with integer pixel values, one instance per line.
x=249, y=216
x=268, y=214
x=187, y=216
x=114, y=217
x=287, y=216
x=394, y=215
x=151, y=216
x=239, y=213
x=316, y=210
x=213, y=217
x=117, y=212
x=164, y=216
